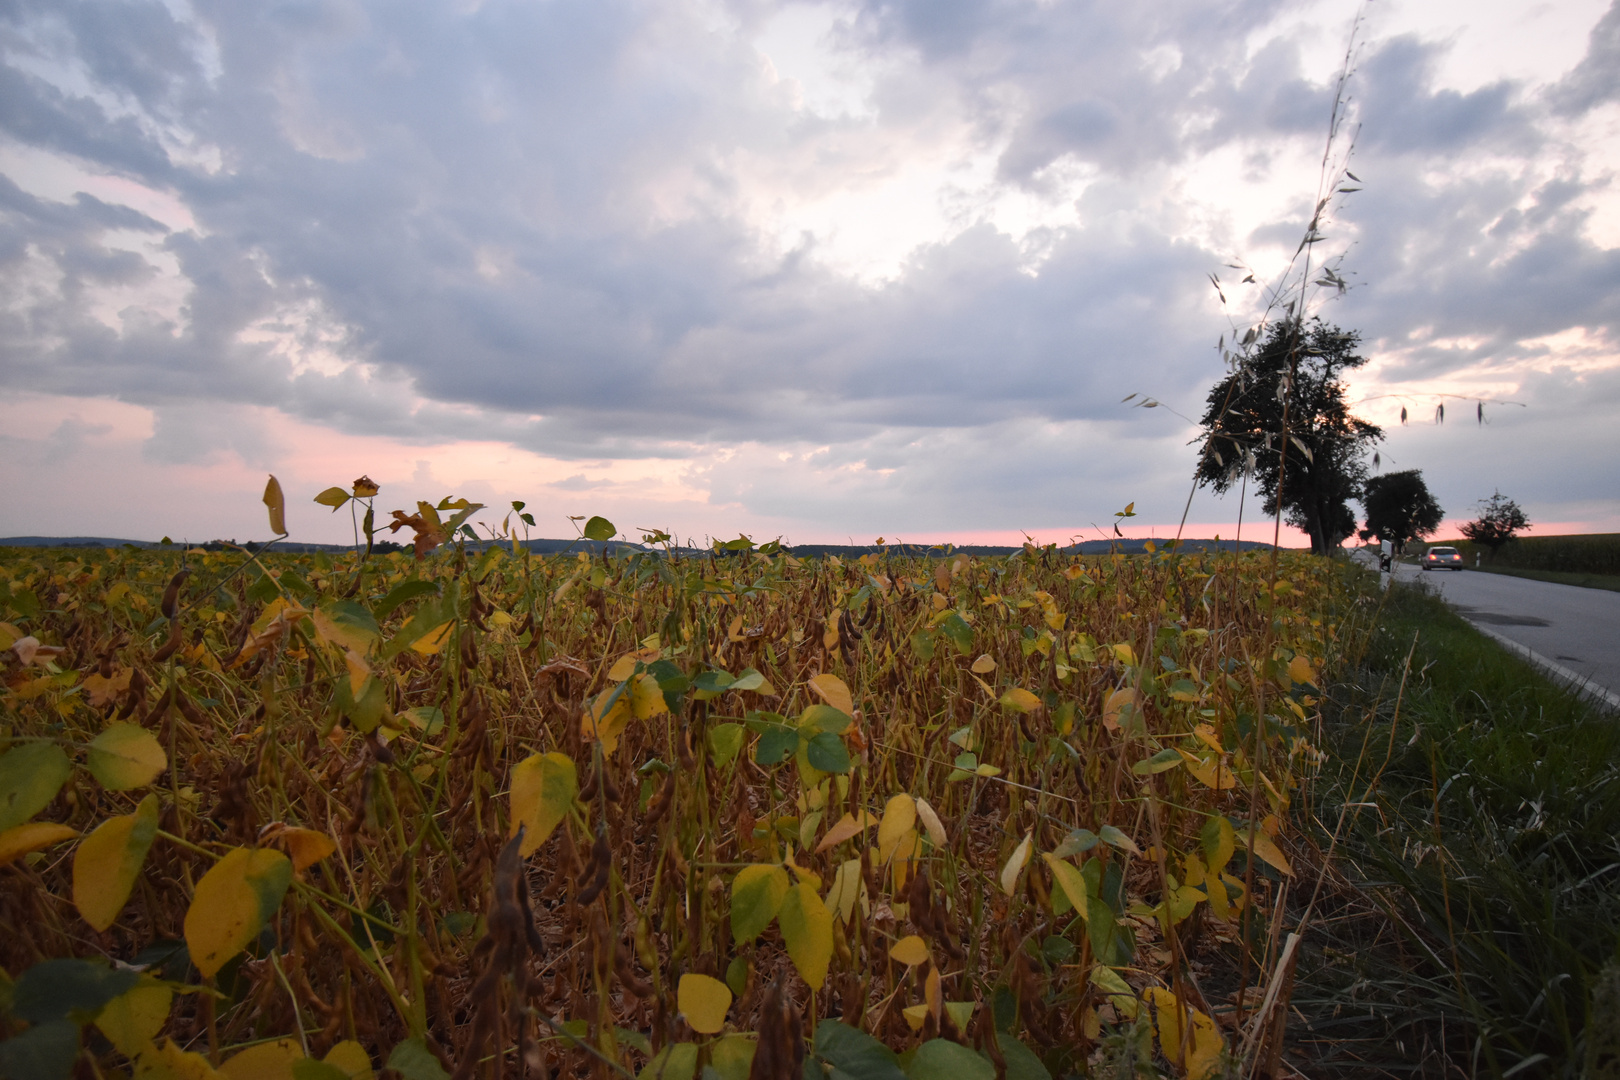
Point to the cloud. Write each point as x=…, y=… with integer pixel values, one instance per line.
x=617, y=232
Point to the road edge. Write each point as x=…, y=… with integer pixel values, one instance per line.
x=1577, y=682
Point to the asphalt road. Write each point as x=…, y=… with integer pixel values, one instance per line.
x=1573, y=628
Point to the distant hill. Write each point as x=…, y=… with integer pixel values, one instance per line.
x=553, y=547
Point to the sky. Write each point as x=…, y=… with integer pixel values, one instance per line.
x=823, y=271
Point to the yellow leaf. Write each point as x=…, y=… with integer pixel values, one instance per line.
x=1204, y=1051
x=125, y=756
x=277, y=503
x=846, y=889
x=133, y=1019
x=103, y=691
x=232, y=902
x=1300, y=670
x=623, y=668
x=831, y=689
x=341, y=632
x=35, y=836
x=359, y=673
x=931, y=824
x=431, y=642
x=1116, y=704
x=109, y=860
x=1268, y=850
x=307, y=846
x=605, y=724
x=1215, y=773
x=351, y=1058
x=646, y=700
x=173, y=1063
x=932, y=993
x=544, y=787
x=985, y=663
x=1020, y=700
x=1124, y=654
x=847, y=827
x=807, y=928
x=910, y=950
x=899, y=816
x=916, y=1016
x=1069, y=880
x=266, y=1061
x=1015, y=864
x=704, y=1001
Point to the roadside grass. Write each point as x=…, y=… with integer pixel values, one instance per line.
x=1611, y=582
x=1471, y=902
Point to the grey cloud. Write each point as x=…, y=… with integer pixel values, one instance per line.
x=533, y=210
x=1596, y=79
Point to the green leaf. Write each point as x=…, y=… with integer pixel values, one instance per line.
x=126, y=756
x=1111, y=836
x=828, y=753
x=713, y=681
x=1163, y=761
x=1076, y=843
x=43, y=1052
x=401, y=594
x=959, y=632
x=854, y=1054
x=733, y=1055
x=756, y=897
x=677, y=1061
x=56, y=989
x=941, y=1059
x=600, y=528
x=310, y=1069
x=824, y=718
x=30, y=776
x=413, y=1061
x=1022, y=1064
x=922, y=643
x=725, y=742
x=776, y=744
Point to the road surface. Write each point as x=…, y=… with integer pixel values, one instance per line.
x=1566, y=626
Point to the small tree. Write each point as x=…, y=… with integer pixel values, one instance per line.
x=1499, y=518
x=1400, y=508
x=1327, y=462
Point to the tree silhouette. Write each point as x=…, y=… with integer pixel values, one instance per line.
x=1499, y=518
x=1400, y=508
x=1326, y=461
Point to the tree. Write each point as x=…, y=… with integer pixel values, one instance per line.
x=1400, y=508
x=1326, y=461
x=1499, y=518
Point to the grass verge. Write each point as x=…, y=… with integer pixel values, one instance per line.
x=1610, y=582
x=1472, y=903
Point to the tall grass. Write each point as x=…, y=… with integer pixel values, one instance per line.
x=1480, y=859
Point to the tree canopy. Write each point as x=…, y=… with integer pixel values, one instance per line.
x=1399, y=507
x=1499, y=518
x=1326, y=459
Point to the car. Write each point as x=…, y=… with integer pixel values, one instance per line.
x=1442, y=558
